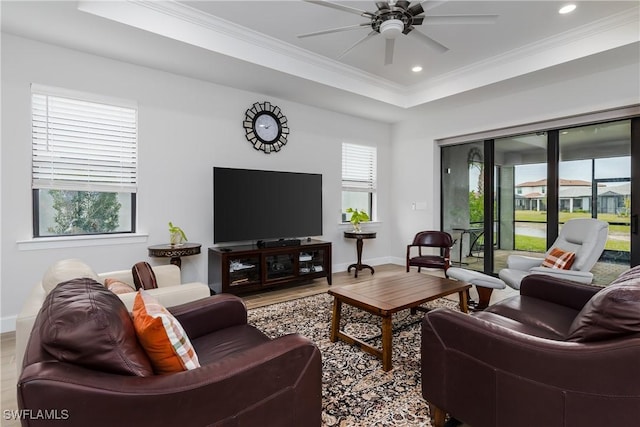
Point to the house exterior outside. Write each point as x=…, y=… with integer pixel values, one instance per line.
x=575, y=196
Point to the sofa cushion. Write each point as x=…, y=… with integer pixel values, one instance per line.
x=535, y=314
x=117, y=287
x=64, y=270
x=163, y=338
x=557, y=258
x=612, y=312
x=85, y=324
x=143, y=276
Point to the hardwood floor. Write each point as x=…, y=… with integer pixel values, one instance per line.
x=7, y=340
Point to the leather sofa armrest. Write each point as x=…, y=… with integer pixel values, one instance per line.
x=282, y=373
x=210, y=314
x=558, y=291
x=493, y=348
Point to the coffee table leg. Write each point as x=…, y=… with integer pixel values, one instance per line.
x=335, y=319
x=386, y=342
x=464, y=307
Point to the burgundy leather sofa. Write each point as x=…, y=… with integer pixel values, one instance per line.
x=560, y=354
x=84, y=367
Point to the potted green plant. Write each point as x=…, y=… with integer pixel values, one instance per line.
x=357, y=216
x=176, y=235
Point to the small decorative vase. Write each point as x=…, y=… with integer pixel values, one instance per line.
x=356, y=227
x=175, y=239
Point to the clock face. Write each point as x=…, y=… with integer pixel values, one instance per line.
x=266, y=127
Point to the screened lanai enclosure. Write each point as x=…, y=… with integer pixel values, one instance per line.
x=514, y=193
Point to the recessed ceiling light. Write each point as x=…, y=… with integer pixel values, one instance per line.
x=416, y=69
x=567, y=9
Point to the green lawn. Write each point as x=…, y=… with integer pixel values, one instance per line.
x=535, y=216
x=538, y=244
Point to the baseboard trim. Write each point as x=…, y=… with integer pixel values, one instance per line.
x=8, y=324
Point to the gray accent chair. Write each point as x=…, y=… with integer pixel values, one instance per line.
x=584, y=236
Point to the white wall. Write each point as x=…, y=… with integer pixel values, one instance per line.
x=186, y=127
x=588, y=85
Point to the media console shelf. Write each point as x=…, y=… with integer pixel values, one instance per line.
x=248, y=268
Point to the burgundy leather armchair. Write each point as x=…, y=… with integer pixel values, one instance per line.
x=245, y=378
x=560, y=354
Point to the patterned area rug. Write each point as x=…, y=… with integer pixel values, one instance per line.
x=355, y=390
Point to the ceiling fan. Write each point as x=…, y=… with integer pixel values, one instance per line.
x=395, y=17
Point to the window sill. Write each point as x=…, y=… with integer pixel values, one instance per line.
x=80, y=241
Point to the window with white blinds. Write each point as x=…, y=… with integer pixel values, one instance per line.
x=83, y=145
x=358, y=179
x=83, y=164
x=358, y=168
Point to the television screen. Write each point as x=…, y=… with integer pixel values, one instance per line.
x=257, y=204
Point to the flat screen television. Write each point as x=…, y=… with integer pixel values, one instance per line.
x=252, y=205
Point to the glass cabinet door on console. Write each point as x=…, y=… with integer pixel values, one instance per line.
x=279, y=266
x=244, y=271
x=311, y=262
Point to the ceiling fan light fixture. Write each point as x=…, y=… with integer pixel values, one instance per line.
x=391, y=28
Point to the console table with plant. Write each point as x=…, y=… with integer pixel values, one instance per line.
x=176, y=248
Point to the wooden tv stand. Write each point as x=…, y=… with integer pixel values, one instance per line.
x=248, y=268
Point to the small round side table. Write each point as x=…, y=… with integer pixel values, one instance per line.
x=359, y=236
x=174, y=251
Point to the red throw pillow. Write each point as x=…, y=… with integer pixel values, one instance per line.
x=162, y=336
x=557, y=258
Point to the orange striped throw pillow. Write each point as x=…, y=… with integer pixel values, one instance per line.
x=557, y=258
x=162, y=336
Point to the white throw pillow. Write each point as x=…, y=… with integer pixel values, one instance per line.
x=66, y=269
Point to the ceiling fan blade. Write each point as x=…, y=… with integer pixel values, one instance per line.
x=334, y=30
x=388, y=51
x=403, y=4
x=432, y=4
x=382, y=5
x=417, y=20
x=416, y=9
x=362, y=40
x=428, y=41
x=461, y=19
x=341, y=7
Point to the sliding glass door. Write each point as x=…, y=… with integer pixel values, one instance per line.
x=517, y=192
x=463, y=199
x=522, y=187
x=595, y=182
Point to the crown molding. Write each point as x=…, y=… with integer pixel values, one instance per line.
x=184, y=23
x=189, y=25
x=605, y=34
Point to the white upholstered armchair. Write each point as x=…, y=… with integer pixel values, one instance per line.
x=585, y=237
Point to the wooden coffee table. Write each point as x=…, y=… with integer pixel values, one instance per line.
x=383, y=296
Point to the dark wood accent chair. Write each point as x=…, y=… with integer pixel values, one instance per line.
x=430, y=239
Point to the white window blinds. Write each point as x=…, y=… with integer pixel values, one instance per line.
x=81, y=145
x=358, y=168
